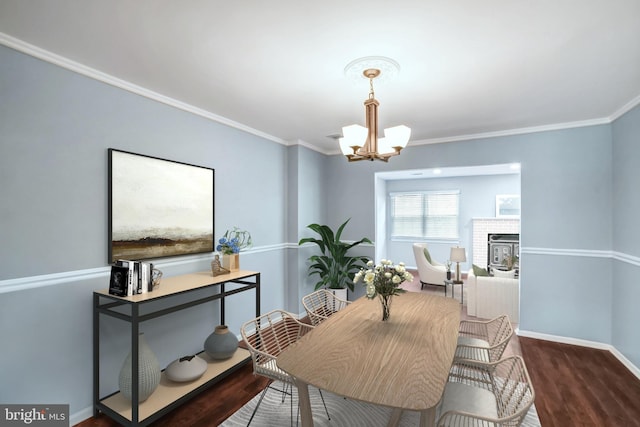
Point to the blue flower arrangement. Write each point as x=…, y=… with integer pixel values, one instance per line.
x=234, y=241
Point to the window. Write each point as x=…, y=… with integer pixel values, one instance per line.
x=426, y=215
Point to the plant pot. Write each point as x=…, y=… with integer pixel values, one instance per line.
x=231, y=262
x=448, y=275
x=338, y=293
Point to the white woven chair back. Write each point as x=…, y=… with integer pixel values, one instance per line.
x=321, y=304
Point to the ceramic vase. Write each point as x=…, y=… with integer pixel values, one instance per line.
x=221, y=344
x=187, y=368
x=148, y=372
x=231, y=262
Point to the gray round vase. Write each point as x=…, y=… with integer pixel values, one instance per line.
x=149, y=372
x=221, y=344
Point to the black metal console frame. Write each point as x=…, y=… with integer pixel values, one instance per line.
x=135, y=318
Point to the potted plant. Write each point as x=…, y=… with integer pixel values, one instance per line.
x=230, y=245
x=510, y=261
x=448, y=265
x=334, y=266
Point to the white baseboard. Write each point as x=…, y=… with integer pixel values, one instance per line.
x=584, y=343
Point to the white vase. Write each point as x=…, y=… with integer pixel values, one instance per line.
x=149, y=372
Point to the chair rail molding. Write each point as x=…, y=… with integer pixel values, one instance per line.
x=567, y=252
x=40, y=281
x=618, y=256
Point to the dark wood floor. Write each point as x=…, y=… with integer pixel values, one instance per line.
x=575, y=386
x=578, y=386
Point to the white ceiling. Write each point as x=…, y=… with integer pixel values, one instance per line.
x=467, y=67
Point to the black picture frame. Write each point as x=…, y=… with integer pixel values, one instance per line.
x=158, y=208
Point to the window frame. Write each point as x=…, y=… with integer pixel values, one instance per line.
x=424, y=238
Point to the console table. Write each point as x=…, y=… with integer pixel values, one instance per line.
x=168, y=395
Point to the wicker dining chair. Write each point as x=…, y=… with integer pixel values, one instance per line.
x=483, y=340
x=266, y=337
x=492, y=394
x=321, y=304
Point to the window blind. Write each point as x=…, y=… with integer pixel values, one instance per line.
x=427, y=215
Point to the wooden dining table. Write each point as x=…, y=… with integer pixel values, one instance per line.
x=402, y=363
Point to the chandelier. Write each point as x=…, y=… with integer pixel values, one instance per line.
x=362, y=143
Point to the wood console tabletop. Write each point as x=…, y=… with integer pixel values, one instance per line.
x=178, y=284
x=402, y=363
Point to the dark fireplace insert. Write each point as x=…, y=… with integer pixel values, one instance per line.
x=501, y=246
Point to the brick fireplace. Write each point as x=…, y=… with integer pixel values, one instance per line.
x=482, y=227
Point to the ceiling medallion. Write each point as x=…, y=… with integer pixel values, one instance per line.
x=389, y=69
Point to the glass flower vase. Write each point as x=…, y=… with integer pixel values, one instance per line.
x=385, y=303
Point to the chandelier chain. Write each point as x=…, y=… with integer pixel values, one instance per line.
x=371, y=94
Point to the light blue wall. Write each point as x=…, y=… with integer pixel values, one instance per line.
x=626, y=235
x=477, y=200
x=56, y=126
x=566, y=218
x=309, y=191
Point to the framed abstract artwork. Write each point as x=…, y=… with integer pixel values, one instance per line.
x=158, y=208
x=508, y=206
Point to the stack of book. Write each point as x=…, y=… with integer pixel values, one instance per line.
x=130, y=278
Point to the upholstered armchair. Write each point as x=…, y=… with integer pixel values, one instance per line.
x=430, y=271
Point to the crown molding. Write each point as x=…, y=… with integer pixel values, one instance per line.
x=518, y=131
x=42, y=54
x=312, y=147
x=45, y=55
x=511, y=132
x=625, y=108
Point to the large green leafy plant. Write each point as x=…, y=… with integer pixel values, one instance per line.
x=334, y=267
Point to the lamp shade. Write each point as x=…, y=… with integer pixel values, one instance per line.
x=458, y=255
x=397, y=136
x=353, y=136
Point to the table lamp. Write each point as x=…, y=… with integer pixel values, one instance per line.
x=458, y=256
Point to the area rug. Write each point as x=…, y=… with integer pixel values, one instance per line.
x=344, y=412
